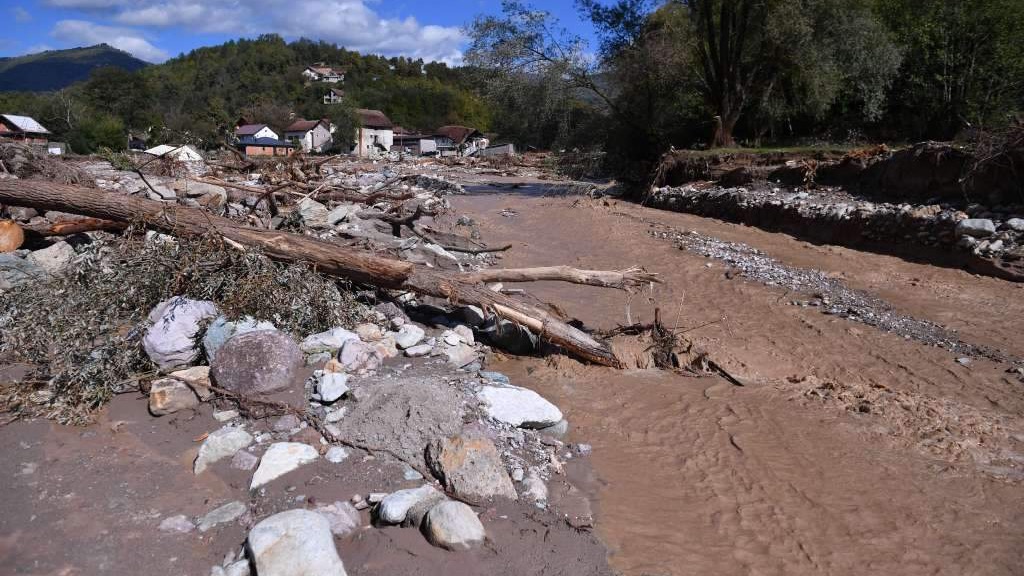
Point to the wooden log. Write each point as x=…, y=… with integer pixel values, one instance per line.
x=628, y=278
x=67, y=226
x=328, y=258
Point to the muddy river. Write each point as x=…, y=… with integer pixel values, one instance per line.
x=848, y=451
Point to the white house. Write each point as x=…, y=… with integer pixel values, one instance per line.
x=310, y=135
x=320, y=72
x=459, y=141
x=334, y=96
x=251, y=132
x=375, y=134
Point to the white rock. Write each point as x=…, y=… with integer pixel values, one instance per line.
x=451, y=338
x=53, y=258
x=976, y=227
x=330, y=386
x=336, y=454
x=294, y=543
x=356, y=355
x=453, y=525
x=466, y=333
x=180, y=524
x=280, y=459
x=409, y=335
x=198, y=378
x=343, y=517
x=225, y=415
x=394, y=506
x=329, y=341
x=1016, y=224
x=534, y=487
x=460, y=355
x=418, y=350
x=226, y=513
x=519, y=407
x=170, y=342
x=221, y=444
x=240, y=568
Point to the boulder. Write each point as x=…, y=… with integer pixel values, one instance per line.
x=341, y=213
x=312, y=213
x=356, y=355
x=221, y=444
x=294, y=543
x=460, y=354
x=454, y=526
x=419, y=350
x=226, y=513
x=409, y=335
x=394, y=507
x=329, y=386
x=259, y=362
x=470, y=467
x=1015, y=224
x=519, y=407
x=221, y=330
x=280, y=459
x=170, y=342
x=15, y=270
x=168, y=395
x=197, y=378
x=329, y=341
x=54, y=258
x=368, y=332
x=975, y=228
x=342, y=516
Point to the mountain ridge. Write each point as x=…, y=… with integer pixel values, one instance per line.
x=56, y=69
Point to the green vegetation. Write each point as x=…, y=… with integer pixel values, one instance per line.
x=56, y=69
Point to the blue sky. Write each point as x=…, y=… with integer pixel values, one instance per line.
x=155, y=30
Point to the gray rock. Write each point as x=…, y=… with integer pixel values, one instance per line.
x=975, y=227
x=465, y=332
x=240, y=568
x=1015, y=224
x=470, y=467
x=15, y=271
x=512, y=337
x=170, y=341
x=280, y=459
x=409, y=335
x=460, y=355
x=336, y=454
x=390, y=310
x=329, y=341
x=419, y=350
x=226, y=513
x=21, y=214
x=54, y=258
x=330, y=386
x=395, y=506
x=534, y=488
x=243, y=460
x=287, y=423
x=343, y=517
x=454, y=526
x=294, y=543
x=179, y=524
x=356, y=355
x=313, y=213
x=221, y=444
x=341, y=213
x=496, y=378
x=519, y=407
x=197, y=378
x=258, y=362
x=225, y=415
x=168, y=395
x=221, y=330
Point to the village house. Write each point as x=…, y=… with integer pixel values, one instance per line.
x=265, y=146
x=251, y=132
x=459, y=140
x=310, y=135
x=410, y=142
x=375, y=134
x=321, y=72
x=23, y=129
x=334, y=96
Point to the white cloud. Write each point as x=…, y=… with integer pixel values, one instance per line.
x=21, y=15
x=353, y=24
x=87, y=33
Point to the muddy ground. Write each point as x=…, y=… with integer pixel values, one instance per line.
x=850, y=450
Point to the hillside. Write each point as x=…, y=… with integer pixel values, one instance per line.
x=56, y=69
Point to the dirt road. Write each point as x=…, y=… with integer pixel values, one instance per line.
x=849, y=451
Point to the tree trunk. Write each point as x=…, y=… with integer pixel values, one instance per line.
x=331, y=259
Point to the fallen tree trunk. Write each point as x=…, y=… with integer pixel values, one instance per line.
x=605, y=278
x=328, y=258
x=66, y=227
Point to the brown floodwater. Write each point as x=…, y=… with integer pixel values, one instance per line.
x=849, y=451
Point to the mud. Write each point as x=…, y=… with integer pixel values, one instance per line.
x=851, y=450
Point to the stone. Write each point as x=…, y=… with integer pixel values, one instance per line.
x=197, y=378
x=376, y=497
x=312, y=213
x=329, y=341
x=470, y=467
x=409, y=335
x=368, y=332
x=243, y=460
x=221, y=330
x=1015, y=224
x=15, y=270
x=393, y=508
x=452, y=338
x=258, y=362
x=465, y=332
x=226, y=513
x=336, y=454
x=22, y=214
x=280, y=459
x=534, y=488
x=240, y=568
x=460, y=355
x=496, y=378
x=341, y=213
x=225, y=415
x=390, y=310
x=419, y=350
x=287, y=423
x=342, y=516
x=54, y=258
x=329, y=386
x=356, y=355
x=975, y=227
x=179, y=524
x=170, y=341
x=294, y=543
x=519, y=407
x=221, y=444
x=454, y=526
x=386, y=346
x=168, y=395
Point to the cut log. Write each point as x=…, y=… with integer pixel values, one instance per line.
x=328, y=258
x=65, y=227
x=628, y=278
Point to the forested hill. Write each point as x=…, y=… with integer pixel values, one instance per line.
x=56, y=69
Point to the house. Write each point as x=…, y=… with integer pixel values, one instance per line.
x=375, y=134
x=410, y=142
x=334, y=96
x=507, y=149
x=180, y=153
x=321, y=72
x=265, y=146
x=310, y=135
x=250, y=132
x=22, y=128
x=459, y=140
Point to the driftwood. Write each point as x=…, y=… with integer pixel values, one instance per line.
x=67, y=226
x=328, y=258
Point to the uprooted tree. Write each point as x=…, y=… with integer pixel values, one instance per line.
x=341, y=261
